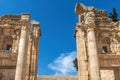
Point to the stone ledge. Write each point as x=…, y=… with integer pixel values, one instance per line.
x=57, y=78
x=109, y=56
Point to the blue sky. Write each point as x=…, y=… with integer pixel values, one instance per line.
x=57, y=19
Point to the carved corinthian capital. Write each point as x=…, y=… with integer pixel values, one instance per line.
x=80, y=32
x=89, y=19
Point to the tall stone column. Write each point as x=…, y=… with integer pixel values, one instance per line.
x=29, y=54
x=34, y=60
x=81, y=54
x=92, y=47
x=93, y=55
x=22, y=52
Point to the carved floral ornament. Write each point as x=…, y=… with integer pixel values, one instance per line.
x=80, y=31
x=89, y=20
x=84, y=28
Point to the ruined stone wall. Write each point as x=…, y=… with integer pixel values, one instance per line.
x=11, y=27
x=7, y=74
x=7, y=66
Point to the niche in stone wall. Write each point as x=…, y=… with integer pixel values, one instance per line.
x=9, y=47
x=105, y=46
x=7, y=42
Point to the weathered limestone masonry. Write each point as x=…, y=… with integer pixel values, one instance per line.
x=97, y=39
x=19, y=39
x=98, y=45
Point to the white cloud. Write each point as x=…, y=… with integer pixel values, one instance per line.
x=63, y=65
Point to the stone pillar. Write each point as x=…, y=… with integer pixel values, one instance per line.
x=93, y=55
x=22, y=52
x=82, y=56
x=34, y=60
x=29, y=54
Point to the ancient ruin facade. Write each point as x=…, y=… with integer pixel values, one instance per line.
x=19, y=39
x=98, y=45
x=97, y=40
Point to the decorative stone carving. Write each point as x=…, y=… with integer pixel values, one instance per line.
x=89, y=20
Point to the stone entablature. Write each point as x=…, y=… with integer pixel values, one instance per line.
x=109, y=60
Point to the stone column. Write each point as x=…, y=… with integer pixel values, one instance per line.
x=29, y=54
x=22, y=52
x=34, y=55
x=33, y=62
x=82, y=56
x=93, y=55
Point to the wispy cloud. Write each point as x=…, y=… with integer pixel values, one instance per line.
x=63, y=65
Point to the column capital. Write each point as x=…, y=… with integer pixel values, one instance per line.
x=80, y=33
x=88, y=24
x=90, y=20
x=14, y=37
x=80, y=29
x=23, y=27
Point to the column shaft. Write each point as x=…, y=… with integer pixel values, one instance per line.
x=82, y=57
x=29, y=59
x=93, y=55
x=22, y=52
